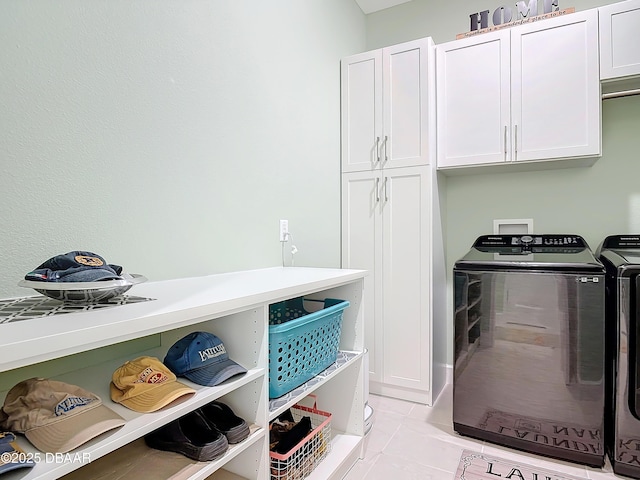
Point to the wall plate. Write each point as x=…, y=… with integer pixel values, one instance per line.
x=513, y=226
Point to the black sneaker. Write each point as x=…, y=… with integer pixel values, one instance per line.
x=190, y=435
x=221, y=417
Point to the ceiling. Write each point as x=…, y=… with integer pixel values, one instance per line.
x=370, y=6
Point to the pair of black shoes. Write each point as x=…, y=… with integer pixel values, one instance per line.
x=202, y=435
x=222, y=417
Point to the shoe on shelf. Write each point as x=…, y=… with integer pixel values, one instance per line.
x=190, y=435
x=221, y=417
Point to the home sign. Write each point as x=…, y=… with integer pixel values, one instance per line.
x=525, y=11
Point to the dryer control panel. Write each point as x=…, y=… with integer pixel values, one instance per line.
x=622, y=241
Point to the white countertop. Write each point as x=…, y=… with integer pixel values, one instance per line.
x=175, y=303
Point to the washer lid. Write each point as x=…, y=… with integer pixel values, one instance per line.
x=621, y=251
x=546, y=252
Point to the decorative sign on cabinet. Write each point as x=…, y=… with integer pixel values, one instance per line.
x=503, y=16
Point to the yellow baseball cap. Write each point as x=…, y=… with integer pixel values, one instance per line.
x=146, y=385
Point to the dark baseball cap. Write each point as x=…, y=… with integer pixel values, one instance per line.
x=76, y=266
x=202, y=358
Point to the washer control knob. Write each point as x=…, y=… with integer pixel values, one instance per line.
x=526, y=239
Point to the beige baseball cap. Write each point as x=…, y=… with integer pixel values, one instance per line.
x=146, y=385
x=56, y=416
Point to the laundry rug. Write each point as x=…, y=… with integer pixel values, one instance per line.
x=562, y=435
x=479, y=466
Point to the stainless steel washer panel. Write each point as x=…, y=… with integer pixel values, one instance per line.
x=529, y=359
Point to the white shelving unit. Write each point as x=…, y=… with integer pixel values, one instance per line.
x=85, y=347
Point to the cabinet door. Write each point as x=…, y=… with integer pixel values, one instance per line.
x=405, y=103
x=362, y=249
x=473, y=90
x=556, y=88
x=406, y=227
x=619, y=39
x=361, y=111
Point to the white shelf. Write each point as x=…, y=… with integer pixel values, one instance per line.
x=344, y=452
x=132, y=461
x=280, y=404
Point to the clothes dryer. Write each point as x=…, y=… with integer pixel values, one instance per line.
x=529, y=345
x=620, y=255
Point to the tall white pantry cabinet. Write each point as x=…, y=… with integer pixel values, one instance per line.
x=391, y=223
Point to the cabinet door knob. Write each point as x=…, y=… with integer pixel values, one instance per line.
x=377, y=150
x=377, y=190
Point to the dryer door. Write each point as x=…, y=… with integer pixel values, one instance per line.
x=634, y=346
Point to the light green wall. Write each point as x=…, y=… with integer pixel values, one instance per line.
x=171, y=136
x=593, y=202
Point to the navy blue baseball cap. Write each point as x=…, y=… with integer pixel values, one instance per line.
x=76, y=266
x=202, y=358
x=11, y=455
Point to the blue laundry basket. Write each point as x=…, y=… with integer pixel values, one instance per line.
x=302, y=344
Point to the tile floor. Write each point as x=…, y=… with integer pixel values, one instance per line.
x=409, y=441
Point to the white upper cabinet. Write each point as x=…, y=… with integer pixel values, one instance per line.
x=619, y=39
x=555, y=96
x=384, y=108
x=361, y=99
x=473, y=107
x=524, y=94
x=405, y=105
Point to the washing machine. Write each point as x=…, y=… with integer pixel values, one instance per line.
x=529, y=349
x=620, y=255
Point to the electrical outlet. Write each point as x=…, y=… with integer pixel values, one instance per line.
x=284, y=230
